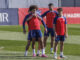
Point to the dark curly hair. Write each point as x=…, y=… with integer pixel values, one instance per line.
x=33, y=7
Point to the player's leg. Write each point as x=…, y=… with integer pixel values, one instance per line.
x=39, y=47
x=42, y=47
x=52, y=40
x=52, y=43
x=55, y=50
x=33, y=35
x=44, y=41
x=27, y=47
x=55, y=47
x=46, y=34
x=33, y=46
x=62, y=46
x=28, y=43
x=41, y=42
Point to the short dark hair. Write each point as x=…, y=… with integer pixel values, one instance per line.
x=59, y=9
x=33, y=7
x=50, y=4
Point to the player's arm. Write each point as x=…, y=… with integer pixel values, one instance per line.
x=25, y=20
x=44, y=14
x=24, y=30
x=56, y=13
x=54, y=26
x=44, y=25
x=41, y=19
x=29, y=18
x=66, y=30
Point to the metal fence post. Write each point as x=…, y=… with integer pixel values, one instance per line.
x=6, y=3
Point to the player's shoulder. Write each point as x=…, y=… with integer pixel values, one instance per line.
x=55, y=11
x=28, y=15
x=56, y=18
x=64, y=17
x=47, y=11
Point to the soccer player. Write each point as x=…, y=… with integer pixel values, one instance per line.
x=34, y=26
x=50, y=15
x=30, y=38
x=60, y=27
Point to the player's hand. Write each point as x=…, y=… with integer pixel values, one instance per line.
x=55, y=34
x=24, y=31
x=34, y=15
x=45, y=30
x=66, y=35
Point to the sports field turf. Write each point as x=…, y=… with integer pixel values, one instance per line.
x=13, y=42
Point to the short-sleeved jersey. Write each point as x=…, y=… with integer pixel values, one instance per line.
x=60, y=25
x=33, y=23
x=50, y=15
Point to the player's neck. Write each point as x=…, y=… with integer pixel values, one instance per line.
x=50, y=9
x=60, y=15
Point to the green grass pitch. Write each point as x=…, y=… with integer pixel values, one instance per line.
x=13, y=42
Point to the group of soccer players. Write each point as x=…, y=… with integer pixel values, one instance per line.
x=56, y=26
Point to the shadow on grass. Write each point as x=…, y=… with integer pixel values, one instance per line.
x=23, y=57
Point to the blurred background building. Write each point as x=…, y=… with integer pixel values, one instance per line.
x=40, y=3
x=12, y=12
